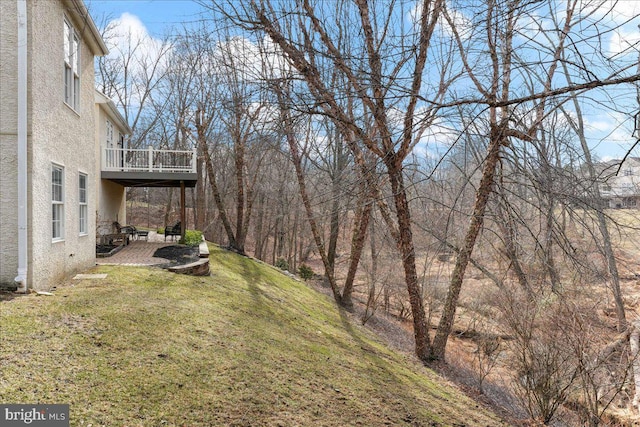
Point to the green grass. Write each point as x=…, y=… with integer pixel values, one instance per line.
x=244, y=347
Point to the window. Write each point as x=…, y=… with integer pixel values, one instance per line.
x=57, y=202
x=82, y=203
x=628, y=172
x=112, y=154
x=71, y=66
x=109, y=130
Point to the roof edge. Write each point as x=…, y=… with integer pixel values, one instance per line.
x=102, y=99
x=81, y=14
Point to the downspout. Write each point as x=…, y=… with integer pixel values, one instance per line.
x=21, y=278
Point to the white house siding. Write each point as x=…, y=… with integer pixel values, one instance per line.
x=8, y=142
x=63, y=136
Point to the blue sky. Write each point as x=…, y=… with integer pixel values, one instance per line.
x=158, y=16
x=609, y=132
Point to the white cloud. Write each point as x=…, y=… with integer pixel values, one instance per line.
x=128, y=27
x=531, y=27
x=252, y=61
x=135, y=62
x=624, y=40
x=621, y=136
x=608, y=123
x=462, y=24
x=619, y=11
x=623, y=16
x=128, y=38
x=598, y=125
x=437, y=137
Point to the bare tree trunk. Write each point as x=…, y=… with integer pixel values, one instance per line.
x=507, y=226
x=361, y=224
x=279, y=239
x=373, y=277
x=634, y=344
x=218, y=201
x=607, y=247
x=548, y=205
x=276, y=239
x=168, y=207
x=200, y=202
x=334, y=224
x=477, y=218
x=297, y=162
x=337, y=164
x=258, y=230
x=549, y=260
x=407, y=251
x=295, y=241
x=238, y=151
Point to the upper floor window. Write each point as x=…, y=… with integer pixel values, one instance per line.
x=71, y=66
x=83, y=210
x=57, y=202
x=628, y=172
x=109, y=130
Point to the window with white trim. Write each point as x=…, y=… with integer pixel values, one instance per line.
x=109, y=131
x=83, y=208
x=57, y=202
x=71, y=66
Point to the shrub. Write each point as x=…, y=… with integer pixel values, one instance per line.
x=305, y=272
x=282, y=264
x=160, y=230
x=192, y=237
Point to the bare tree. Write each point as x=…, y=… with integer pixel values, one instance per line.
x=131, y=76
x=376, y=66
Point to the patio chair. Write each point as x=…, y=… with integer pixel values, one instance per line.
x=173, y=230
x=129, y=230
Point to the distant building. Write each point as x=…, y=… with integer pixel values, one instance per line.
x=620, y=183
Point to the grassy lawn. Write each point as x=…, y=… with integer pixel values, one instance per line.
x=244, y=347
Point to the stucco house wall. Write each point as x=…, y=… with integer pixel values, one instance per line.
x=57, y=134
x=63, y=136
x=8, y=142
x=112, y=207
x=111, y=202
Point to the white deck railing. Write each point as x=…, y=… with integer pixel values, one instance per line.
x=148, y=160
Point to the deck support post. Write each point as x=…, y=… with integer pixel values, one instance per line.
x=183, y=211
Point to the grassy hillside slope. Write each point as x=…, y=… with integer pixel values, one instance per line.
x=244, y=347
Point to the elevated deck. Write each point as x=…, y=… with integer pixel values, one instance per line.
x=149, y=167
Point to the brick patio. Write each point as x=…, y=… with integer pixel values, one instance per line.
x=139, y=252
